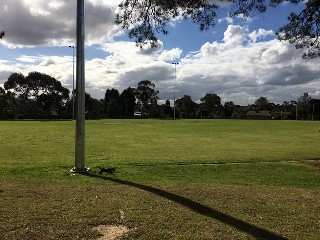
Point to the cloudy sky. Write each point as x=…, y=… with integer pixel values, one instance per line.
x=239, y=59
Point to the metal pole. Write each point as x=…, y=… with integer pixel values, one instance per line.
x=174, y=89
x=73, y=47
x=80, y=88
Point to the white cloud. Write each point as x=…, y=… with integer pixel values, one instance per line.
x=239, y=73
x=148, y=49
x=227, y=19
x=209, y=49
x=52, y=22
x=234, y=35
x=261, y=33
x=243, y=73
x=61, y=69
x=170, y=55
x=238, y=67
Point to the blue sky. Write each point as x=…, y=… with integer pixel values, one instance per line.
x=240, y=60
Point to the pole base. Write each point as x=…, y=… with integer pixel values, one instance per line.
x=79, y=170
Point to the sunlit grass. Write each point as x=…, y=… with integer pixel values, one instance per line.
x=31, y=148
x=250, y=170
x=155, y=141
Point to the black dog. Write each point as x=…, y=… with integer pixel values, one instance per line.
x=110, y=170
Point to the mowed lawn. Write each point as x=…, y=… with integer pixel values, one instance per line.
x=182, y=179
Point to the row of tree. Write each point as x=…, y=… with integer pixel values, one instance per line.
x=39, y=96
x=34, y=96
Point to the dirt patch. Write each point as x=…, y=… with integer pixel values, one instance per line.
x=312, y=163
x=111, y=232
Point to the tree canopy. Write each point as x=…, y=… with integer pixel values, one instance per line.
x=37, y=93
x=262, y=103
x=145, y=18
x=111, y=102
x=304, y=105
x=211, y=103
x=146, y=94
x=186, y=107
x=1, y=34
x=127, y=102
x=303, y=28
x=150, y=16
x=35, y=84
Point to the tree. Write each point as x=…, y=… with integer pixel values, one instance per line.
x=48, y=92
x=94, y=107
x=303, y=28
x=167, y=109
x=146, y=95
x=262, y=104
x=211, y=104
x=145, y=18
x=1, y=34
x=229, y=108
x=37, y=93
x=21, y=106
x=162, y=111
x=17, y=82
x=304, y=106
x=112, y=103
x=127, y=102
x=186, y=107
x=3, y=102
x=315, y=104
x=289, y=110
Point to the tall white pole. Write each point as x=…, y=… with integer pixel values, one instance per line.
x=73, y=109
x=174, y=89
x=80, y=94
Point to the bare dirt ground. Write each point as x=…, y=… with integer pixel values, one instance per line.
x=312, y=163
x=111, y=232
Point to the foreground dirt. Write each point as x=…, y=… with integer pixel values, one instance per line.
x=111, y=232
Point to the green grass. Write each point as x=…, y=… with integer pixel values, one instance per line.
x=202, y=141
x=149, y=141
x=183, y=179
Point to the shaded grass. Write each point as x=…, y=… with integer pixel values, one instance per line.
x=69, y=211
x=237, y=168
x=281, y=174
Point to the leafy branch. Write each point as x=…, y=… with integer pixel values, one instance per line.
x=144, y=19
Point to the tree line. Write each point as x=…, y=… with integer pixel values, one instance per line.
x=40, y=96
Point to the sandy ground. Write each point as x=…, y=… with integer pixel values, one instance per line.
x=111, y=232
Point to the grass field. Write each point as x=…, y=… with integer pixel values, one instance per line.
x=182, y=179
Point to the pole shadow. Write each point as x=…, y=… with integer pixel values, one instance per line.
x=254, y=231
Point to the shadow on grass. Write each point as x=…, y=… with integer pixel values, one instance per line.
x=255, y=231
